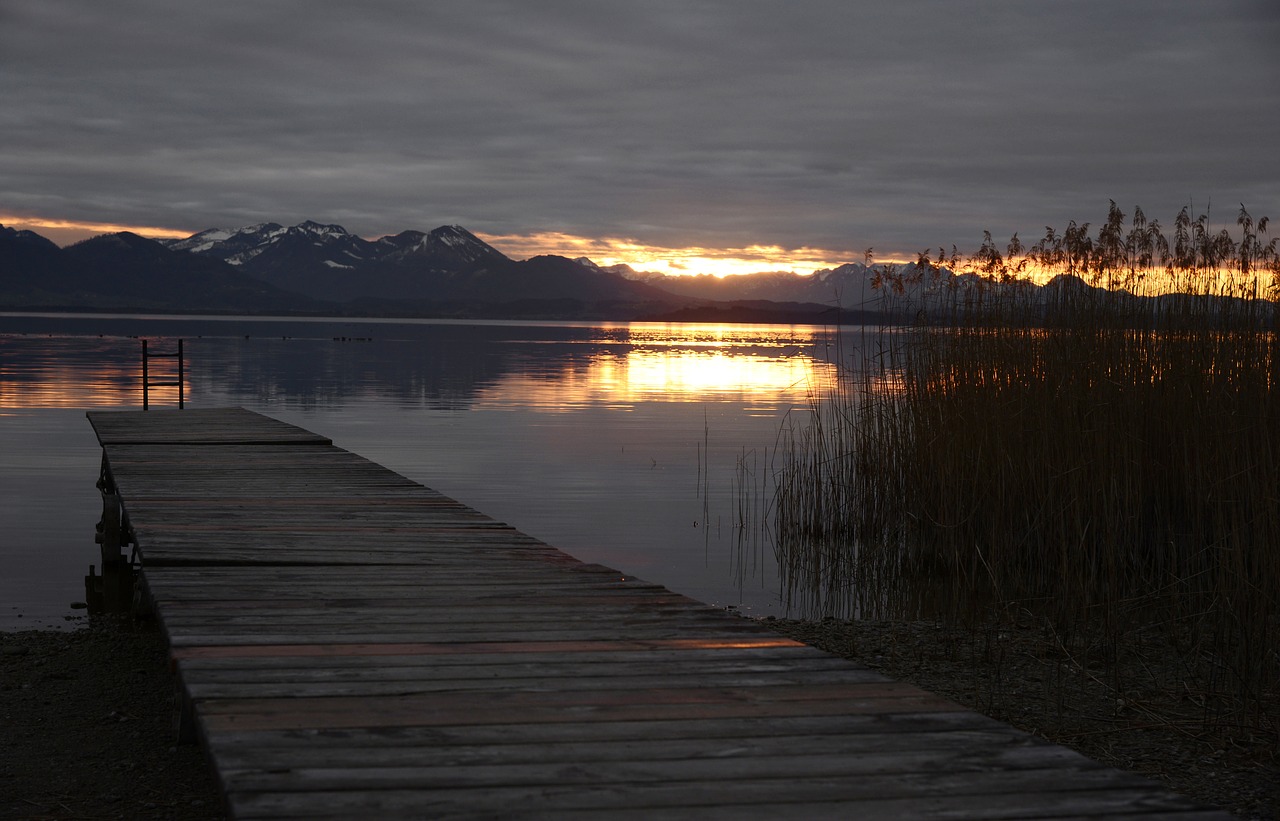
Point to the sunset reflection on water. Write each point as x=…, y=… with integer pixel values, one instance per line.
x=618, y=443
x=682, y=363
x=619, y=381
x=611, y=365
x=73, y=372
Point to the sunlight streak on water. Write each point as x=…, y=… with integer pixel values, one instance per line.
x=663, y=374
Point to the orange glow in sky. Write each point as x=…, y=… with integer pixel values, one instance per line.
x=65, y=232
x=604, y=251
x=721, y=262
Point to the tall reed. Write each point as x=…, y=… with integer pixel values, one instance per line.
x=1098, y=453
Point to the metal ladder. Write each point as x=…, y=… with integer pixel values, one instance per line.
x=148, y=384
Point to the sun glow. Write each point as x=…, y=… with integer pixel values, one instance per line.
x=687, y=261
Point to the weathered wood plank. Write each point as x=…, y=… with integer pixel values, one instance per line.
x=521, y=744
x=220, y=425
x=1029, y=761
x=569, y=673
x=793, y=660
x=357, y=645
x=228, y=648
x=500, y=707
x=718, y=734
x=1010, y=794
x=247, y=685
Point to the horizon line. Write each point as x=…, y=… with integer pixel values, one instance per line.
x=604, y=251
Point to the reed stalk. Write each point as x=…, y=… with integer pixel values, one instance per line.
x=1098, y=454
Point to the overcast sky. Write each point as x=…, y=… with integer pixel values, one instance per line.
x=825, y=124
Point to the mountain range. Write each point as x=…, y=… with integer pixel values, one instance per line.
x=317, y=268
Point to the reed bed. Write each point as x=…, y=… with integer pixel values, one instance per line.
x=1082, y=436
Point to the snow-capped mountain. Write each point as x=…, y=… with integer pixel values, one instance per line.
x=225, y=243
x=318, y=268
x=446, y=265
x=328, y=262
x=447, y=247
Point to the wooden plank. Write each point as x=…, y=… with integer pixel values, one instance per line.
x=672, y=767
x=515, y=674
x=500, y=707
x=768, y=801
x=521, y=746
x=570, y=677
x=719, y=735
x=231, y=647
x=356, y=645
x=220, y=425
x=961, y=795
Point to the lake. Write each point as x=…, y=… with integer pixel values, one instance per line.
x=638, y=446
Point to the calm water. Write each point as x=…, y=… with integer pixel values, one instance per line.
x=623, y=444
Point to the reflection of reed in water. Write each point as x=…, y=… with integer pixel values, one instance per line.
x=750, y=492
x=1098, y=455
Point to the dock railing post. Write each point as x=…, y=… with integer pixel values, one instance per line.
x=146, y=383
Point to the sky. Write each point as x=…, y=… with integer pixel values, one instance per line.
x=680, y=135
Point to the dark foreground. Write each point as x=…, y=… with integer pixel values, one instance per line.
x=86, y=729
x=1023, y=685
x=86, y=722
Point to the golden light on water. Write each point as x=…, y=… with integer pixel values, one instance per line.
x=696, y=363
x=76, y=387
x=622, y=380
x=616, y=366
x=78, y=372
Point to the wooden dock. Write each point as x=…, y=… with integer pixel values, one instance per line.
x=352, y=644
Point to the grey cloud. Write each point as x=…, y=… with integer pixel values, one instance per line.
x=826, y=123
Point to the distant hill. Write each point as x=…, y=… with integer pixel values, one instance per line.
x=448, y=270
x=315, y=268
x=126, y=271
x=33, y=270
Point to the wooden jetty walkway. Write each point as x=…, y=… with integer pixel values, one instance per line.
x=352, y=644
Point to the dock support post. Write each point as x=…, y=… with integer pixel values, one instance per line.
x=112, y=592
x=185, y=728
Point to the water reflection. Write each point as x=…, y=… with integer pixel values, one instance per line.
x=518, y=420
x=68, y=372
x=441, y=366
x=668, y=374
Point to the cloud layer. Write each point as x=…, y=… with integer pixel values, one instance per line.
x=827, y=124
